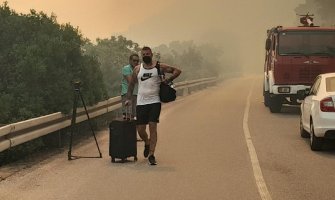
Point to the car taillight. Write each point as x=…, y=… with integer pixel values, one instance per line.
x=327, y=105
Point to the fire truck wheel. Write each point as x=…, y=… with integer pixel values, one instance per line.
x=266, y=98
x=275, y=104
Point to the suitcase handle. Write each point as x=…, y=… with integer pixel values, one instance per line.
x=128, y=112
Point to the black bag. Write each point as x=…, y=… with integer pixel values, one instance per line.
x=166, y=92
x=122, y=140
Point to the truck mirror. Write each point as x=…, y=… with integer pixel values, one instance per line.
x=307, y=91
x=268, y=44
x=303, y=93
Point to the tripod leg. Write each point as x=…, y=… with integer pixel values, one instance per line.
x=89, y=121
x=73, y=122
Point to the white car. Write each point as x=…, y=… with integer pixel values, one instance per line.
x=317, y=119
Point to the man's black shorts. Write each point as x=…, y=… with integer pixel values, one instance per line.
x=148, y=113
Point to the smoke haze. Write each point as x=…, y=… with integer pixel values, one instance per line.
x=238, y=26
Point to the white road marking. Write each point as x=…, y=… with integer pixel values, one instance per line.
x=261, y=185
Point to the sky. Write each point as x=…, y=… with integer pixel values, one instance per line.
x=238, y=25
x=98, y=18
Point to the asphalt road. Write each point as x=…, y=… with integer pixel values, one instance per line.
x=220, y=143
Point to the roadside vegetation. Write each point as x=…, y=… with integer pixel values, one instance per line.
x=40, y=58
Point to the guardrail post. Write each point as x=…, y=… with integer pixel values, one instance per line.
x=186, y=91
x=53, y=139
x=52, y=126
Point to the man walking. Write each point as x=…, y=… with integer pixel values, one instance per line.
x=127, y=72
x=148, y=102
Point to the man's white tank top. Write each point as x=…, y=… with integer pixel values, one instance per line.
x=148, y=86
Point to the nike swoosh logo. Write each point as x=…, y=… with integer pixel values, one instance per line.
x=144, y=78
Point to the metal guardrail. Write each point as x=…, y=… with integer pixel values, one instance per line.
x=17, y=133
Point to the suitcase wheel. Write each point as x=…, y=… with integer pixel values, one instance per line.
x=123, y=160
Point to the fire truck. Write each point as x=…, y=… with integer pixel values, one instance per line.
x=294, y=57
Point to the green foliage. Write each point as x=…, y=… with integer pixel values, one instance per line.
x=196, y=61
x=38, y=60
x=21, y=151
x=112, y=55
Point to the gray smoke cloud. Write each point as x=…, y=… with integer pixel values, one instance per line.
x=238, y=26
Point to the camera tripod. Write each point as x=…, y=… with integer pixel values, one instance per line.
x=77, y=95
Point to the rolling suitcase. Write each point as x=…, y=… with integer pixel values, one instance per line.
x=122, y=139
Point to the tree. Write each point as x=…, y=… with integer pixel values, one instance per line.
x=39, y=59
x=196, y=61
x=112, y=55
